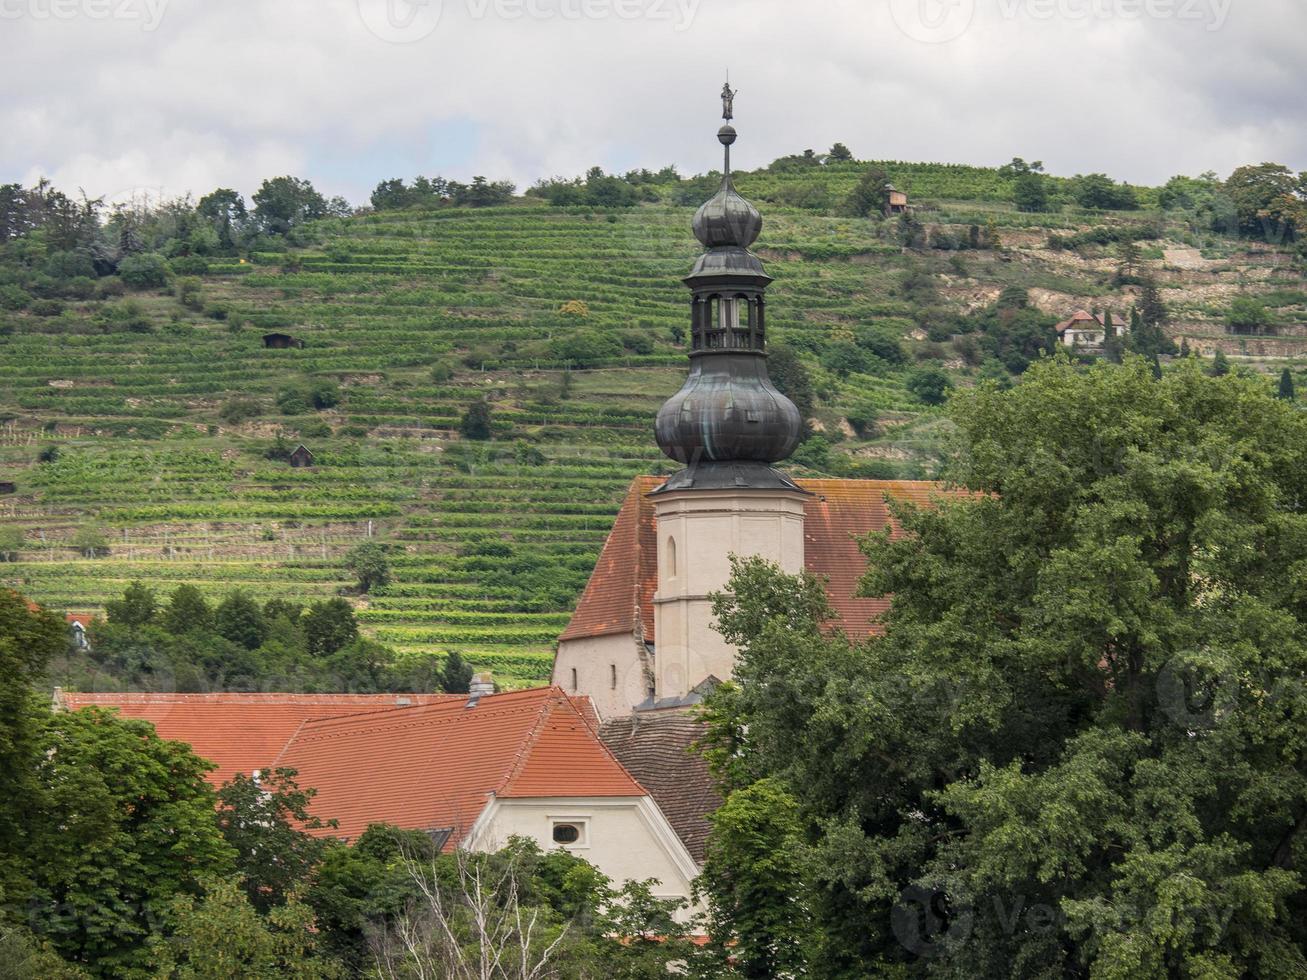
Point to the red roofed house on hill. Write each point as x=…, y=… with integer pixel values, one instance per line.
x=1087, y=332
x=471, y=771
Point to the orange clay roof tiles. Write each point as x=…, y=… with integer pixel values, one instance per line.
x=240, y=732
x=435, y=766
x=619, y=596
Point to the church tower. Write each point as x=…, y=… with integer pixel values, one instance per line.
x=726, y=426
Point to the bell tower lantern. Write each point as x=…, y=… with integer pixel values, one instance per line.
x=727, y=425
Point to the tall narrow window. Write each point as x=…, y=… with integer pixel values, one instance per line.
x=671, y=558
x=573, y=678
x=612, y=679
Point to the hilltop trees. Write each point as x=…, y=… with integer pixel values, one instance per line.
x=1270, y=201
x=1101, y=193
x=1079, y=747
x=1029, y=187
x=283, y=203
x=225, y=210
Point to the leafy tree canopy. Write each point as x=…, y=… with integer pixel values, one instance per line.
x=1079, y=747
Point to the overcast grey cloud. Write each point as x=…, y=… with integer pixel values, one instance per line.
x=186, y=95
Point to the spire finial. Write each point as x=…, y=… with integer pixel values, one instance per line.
x=728, y=99
x=727, y=133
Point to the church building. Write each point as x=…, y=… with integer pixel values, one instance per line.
x=642, y=636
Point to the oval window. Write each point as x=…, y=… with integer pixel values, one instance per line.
x=566, y=833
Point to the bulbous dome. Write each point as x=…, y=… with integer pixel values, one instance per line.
x=727, y=219
x=728, y=410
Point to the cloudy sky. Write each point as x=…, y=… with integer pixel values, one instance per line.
x=169, y=96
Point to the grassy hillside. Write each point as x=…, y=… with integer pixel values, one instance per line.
x=163, y=404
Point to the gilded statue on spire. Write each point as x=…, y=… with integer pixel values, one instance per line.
x=728, y=102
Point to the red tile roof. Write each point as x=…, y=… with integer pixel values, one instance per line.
x=619, y=596
x=239, y=732
x=84, y=619
x=1084, y=316
x=435, y=766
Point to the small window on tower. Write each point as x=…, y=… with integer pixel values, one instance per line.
x=671, y=558
x=573, y=678
x=612, y=669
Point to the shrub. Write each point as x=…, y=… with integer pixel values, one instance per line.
x=128, y=315
x=148, y=270
x=90, y=542
x=49, y=454
x=930, y=385
x=238, y=408
x=441, y=371
x=111, y=287
x=189, y=265
x=369, y=564
x=11, y=542
x=324, y=393
x=79, y=287
x=47, y=307
x=585, y=347
x=476, y=423
x=13, y=298
x=1248, y=315
x=69, y=265
x=575, y=309
x=844, y=358
x=188, y=293
x=293, y=401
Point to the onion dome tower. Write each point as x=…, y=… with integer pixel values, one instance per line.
x=728, y=423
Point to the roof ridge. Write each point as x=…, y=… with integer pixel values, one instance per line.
x=286, y=744
x=563, y=700
x=524, y=747
x=428, y=717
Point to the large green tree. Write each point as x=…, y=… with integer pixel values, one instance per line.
x=125, y=824
x=30, y=638
x=1080, y=746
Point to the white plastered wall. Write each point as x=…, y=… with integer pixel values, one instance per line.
x=703, y=529
x=626, y=838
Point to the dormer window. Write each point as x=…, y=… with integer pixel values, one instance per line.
x=570, y=832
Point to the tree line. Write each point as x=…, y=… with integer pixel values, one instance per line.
x=182, y=642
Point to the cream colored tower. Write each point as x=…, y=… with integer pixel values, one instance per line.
x=698, y=532
x=726, y=426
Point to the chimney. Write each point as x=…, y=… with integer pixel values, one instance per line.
x=482, y=684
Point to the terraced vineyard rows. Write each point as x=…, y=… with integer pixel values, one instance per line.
x=416, y=316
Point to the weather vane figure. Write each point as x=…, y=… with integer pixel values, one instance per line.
x=728, y=101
